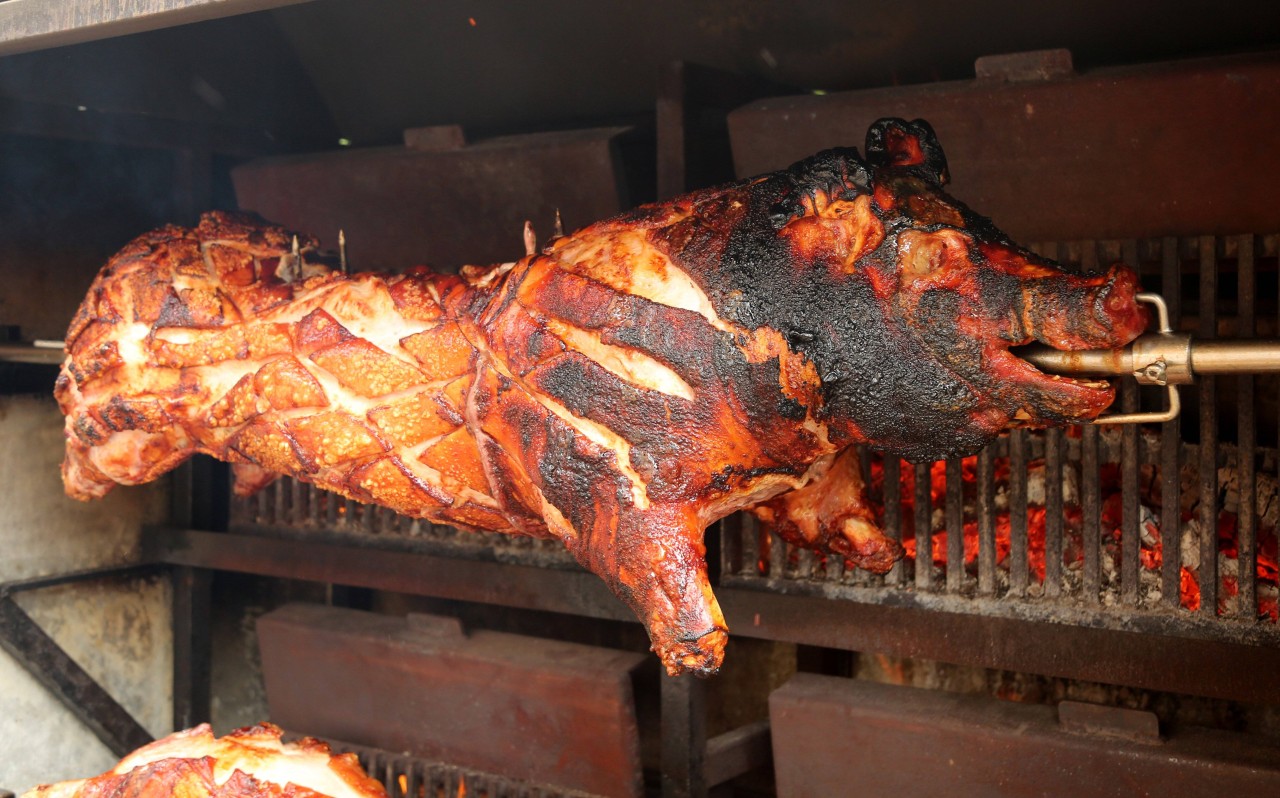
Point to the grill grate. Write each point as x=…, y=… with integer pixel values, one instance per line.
x=1103, y=523
x=406, y=776
x=289, y=507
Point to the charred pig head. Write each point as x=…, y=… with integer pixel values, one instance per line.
x=618, y=390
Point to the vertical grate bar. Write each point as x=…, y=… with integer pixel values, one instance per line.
x=261, y=506
x=955, y=525
x=1090, y=522
x=805, y=559
x=730, y=531
x=297, y=503
x=412, y=780
x=987, y=521
x=1090, y=487
x=1171, y=447
x=893, y=513
x=1208, y=435
x=857, y=576
x=1246, y=540
x=750, y=528
x=1018, y=565
x=1130, y=515
x=778, y=556
x=1053, y=513
x=1129, y=518
x=924, y=528
x=279, y=490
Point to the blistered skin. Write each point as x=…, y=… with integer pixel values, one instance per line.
x=619, y=389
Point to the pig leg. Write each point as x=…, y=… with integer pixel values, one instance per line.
x=831, y=515
x=655, y=561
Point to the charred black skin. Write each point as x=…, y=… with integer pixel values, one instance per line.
x=910, y=388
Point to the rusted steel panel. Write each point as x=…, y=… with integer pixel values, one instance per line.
x=1178, y=148
x=402, y=207
x=1048, y=642
x=545, y=711
x=844, y=737
x=27, y=25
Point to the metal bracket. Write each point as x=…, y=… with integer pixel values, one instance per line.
x=1164, y=360
x=23, y=639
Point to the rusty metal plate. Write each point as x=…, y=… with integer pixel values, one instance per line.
x=1170, y=149
x=835, y=736
x=402, y=207
x=525, y=708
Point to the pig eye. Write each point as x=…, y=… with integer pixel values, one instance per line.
x=780, y=213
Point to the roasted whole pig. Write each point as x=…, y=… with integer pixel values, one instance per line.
x=620, y=388
x=247, y=763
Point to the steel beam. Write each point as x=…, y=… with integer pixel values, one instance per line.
x=575, y=592
x=62, y=676
x=1145, y=659
x=1138, y=656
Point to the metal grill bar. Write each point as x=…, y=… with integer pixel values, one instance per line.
x=777, y=556
x=1129, y=533
x=858, y=576
x=893, y=514
x=425, y=778
x=1090, y=518
x=986, y=522
x=1171, y=446
x=750, y=545
x=955, y=525
x=1246, y=433
x=1091, y=499
x=731, y=543
x=1018, y=564
x=1208, y=434
x=1054, y=515
x=923, y=525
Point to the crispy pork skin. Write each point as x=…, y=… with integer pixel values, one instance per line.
x=620, y=388
x=247, y=763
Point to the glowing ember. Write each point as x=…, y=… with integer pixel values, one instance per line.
x=1150, y=555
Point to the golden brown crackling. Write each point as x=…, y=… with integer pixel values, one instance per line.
x=251, y=762
x=414, y=419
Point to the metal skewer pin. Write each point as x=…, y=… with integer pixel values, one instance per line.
x=342, y=250
x=295, y=263
x=530, y=239
x=1163, y=358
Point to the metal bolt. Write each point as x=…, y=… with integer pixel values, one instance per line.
x=1153, y=373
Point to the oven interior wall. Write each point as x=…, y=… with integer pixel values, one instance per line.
x=116, y=628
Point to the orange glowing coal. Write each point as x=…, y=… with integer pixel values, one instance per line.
x=1150, y=554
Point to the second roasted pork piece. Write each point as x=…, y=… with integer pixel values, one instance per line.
x=620, y=389
x=252, y=762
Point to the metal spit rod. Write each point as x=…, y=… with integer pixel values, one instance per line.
x=1162, y=358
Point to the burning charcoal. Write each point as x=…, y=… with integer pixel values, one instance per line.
x=1036, y=484
x=1149, y=526
x=1229, y=592
x=1190, y=548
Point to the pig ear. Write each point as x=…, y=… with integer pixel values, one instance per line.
x=896, y=143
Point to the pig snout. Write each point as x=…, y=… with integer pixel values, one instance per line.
x=1085, y=312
